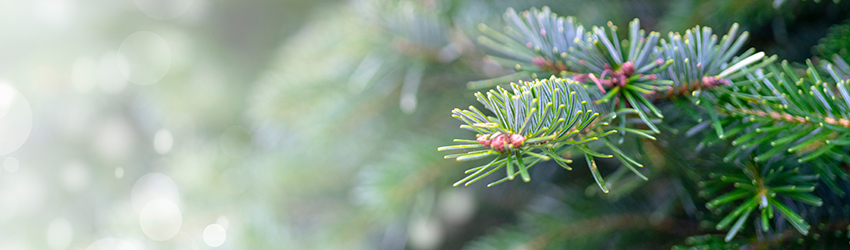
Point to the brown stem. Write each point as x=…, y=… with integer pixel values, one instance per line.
x=792, y=118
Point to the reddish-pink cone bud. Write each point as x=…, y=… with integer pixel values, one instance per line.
x=517, y=140
x=627, y=69
x=499, y=143
x=484, y=140
x=659, y=62
x=652, y=77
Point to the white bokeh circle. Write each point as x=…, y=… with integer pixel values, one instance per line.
x=160, y=219
x=426, y=234
x=7, y=97
x=163, y=9
x=151, y=187
x=15, y=119
x=214, y=235
x=144, y=58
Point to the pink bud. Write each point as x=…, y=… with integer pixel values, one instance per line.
x=659, y=62
x=528, y=44
x=708, y=81
x=499, y=143
x=652, y=77
x=517, y=140
x=484, y=140
x=543, y=32
x=627, y=69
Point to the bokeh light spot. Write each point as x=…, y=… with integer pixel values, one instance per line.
x=160, y=219
x=214, y=235
x=145, y=58
x=426, y=234
x=15, y=119
x=152, y=187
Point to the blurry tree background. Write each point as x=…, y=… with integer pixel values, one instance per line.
x=259, y=124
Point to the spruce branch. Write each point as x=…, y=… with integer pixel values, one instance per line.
x=534, y=42
x=787, y=113
x=536, y=121
x=633, y=73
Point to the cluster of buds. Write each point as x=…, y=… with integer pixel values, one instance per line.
x=619, y=77
x=501, y=142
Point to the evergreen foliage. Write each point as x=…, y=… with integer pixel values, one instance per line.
x=772, y=113
x=692, y=139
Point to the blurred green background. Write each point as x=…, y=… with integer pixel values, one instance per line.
x=258, y=124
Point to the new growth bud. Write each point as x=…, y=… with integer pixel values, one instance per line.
x=627, y=69
x=500, y=142
x=484, y=140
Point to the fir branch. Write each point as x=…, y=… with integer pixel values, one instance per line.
x=534, y=41
x=534, y=121
x=809, y=114
x=632, y=73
